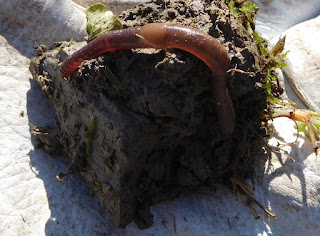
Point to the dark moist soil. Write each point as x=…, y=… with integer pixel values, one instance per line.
x=164, y=134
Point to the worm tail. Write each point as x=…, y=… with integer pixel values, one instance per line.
x=224, y=106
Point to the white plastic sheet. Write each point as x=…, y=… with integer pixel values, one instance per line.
x=33, y=203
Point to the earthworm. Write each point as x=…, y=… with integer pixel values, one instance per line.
x=160, y=36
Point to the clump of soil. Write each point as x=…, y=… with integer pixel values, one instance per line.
x=162, y=131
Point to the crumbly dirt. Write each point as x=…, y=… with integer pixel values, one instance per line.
x=164, y=134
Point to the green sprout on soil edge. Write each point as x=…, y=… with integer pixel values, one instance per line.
x=249, y=9
x=90, y=134
x=119, y=86
x=245, y=13
x=98, y=185
x=100, y=21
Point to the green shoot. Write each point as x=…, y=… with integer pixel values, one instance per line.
x=100, y=21
x=120, y=87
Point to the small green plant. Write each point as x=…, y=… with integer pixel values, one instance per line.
x=119, y=86
x=99, y=21
x=90, y=134
x=233, y=9
x=270, y=78
x=244, y=12
x=249, y=9
x=261, y=46
x=98, y=184
x=271, y=60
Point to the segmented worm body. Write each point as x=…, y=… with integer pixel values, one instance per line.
x=160, y=36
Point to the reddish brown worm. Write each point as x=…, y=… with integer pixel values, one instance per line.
x=159, y=36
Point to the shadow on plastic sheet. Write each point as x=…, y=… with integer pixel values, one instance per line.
x=289, y=209
x=73, y=209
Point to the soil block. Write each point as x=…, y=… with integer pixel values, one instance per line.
x=159, y=132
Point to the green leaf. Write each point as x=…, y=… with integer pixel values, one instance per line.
x=249, y=8
x=98, y=184
x=120, y=87
x=100, y=21
x=232, y=7
x=301, y=126
x=260, y=45
x=90, y=133
x=315, y=121
x=278, y=48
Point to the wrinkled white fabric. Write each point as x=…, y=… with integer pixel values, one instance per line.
x=276, y=16
x=303, y=70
